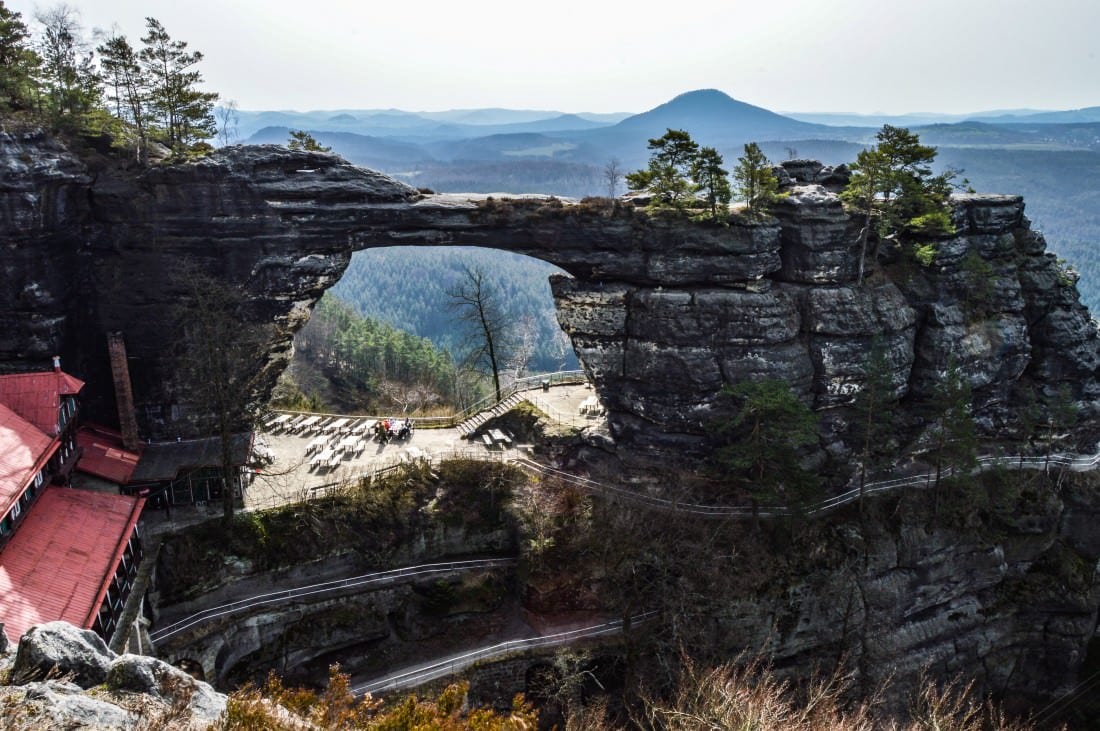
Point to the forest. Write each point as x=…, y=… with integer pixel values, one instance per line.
x=347, y=363
x=407, y=287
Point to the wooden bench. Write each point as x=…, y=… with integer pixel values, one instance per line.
x=488, y=441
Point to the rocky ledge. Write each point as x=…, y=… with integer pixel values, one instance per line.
x=64, y=678
x=663, y=311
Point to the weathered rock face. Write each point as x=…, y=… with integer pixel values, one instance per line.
x=137, y=688
x=663, y=312
x=79, y=653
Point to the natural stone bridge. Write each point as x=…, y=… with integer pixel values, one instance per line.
x=662, y=311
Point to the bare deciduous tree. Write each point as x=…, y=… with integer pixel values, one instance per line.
x=612, y=174
x=224, y=358
x=227, y=122
x=479, y=310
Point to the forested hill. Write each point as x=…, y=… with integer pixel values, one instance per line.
x=347, y=363
x=407, y=287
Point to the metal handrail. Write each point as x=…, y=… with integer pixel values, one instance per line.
x=452, y=665
x=1076, y=463
x=527, y=383
x=380, y=577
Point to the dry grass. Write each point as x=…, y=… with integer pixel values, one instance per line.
x=750, y=697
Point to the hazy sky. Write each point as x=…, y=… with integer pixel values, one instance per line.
x=598, y=56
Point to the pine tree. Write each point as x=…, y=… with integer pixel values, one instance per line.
x=127, y=86
x=755, y=183
x=185, y=114
x=874, y=419
x=762, y=442
x=870, y=173
x=668, y=175
x=955, y=440
x=712, y=179
x=18, y=62
x=916, y=200
x=302, y=140
x=70, y=83
x=896, y=193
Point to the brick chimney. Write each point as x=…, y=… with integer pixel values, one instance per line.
x=124, y=394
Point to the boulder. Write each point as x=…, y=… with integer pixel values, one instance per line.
x=143, y=674
x=62, y=650
x=58, y=704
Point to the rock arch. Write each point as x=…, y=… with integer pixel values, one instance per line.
x=662, y=311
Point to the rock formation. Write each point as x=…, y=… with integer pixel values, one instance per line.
x=56, y=662
x=663, y=311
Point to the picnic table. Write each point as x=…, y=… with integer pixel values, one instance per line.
x=309, y=422
x=324, y=457
x=411, y=454
x=336, y=425
x=350, y=444
x=590, y=405
x=277, y=420
x=317, y=444
x=500, y=438
x=360, y=427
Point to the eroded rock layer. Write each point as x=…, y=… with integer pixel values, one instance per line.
x=663, y=311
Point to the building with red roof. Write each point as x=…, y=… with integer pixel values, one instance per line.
x=73, y=559
x=64, y=554
x=45, y=399
x=104, y=455
x=25, y=453
x=37, y=439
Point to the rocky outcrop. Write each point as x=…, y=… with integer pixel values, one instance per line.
x=58, y=649
x=56, y=662
x=663, y=311
x=158, y=679
x=58, y=704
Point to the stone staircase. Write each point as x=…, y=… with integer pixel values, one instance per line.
x=470, y=425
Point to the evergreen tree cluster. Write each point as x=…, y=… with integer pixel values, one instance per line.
x=896, y=193
x=372, y=364
x=681, y=174
x=136, y=95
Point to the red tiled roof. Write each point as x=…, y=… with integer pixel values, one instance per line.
x=37, y=396
x=61, y=560
x=103, y=454
x=24, y=449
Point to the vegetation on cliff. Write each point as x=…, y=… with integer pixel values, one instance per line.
x=730, y=696
x=134, y=96
x=683, y=175
x=375, y=518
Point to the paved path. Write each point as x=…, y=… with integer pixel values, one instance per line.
x=414, y=675
x=193, y=623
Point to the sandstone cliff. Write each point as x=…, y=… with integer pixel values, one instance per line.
x=662, y=311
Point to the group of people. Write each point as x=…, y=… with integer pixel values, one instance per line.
x=387, y=429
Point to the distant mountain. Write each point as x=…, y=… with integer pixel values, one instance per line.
x=712, y=117
x=607, y=118
x=491, y=116
x=912, y=119
x=515, y=146
x=560, y=123
x=1071, y=116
